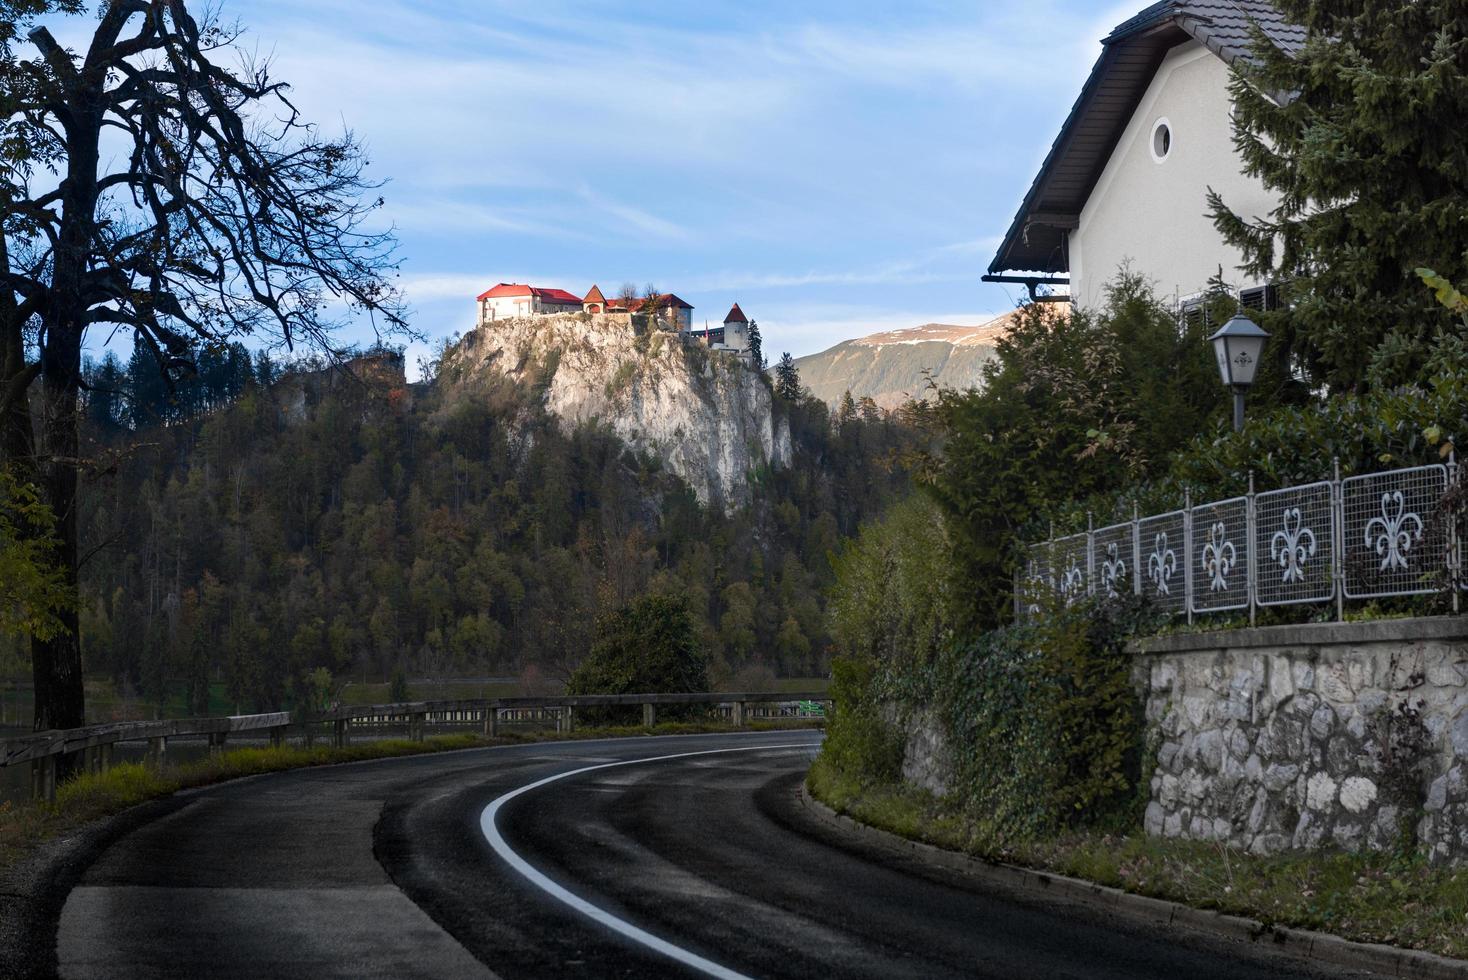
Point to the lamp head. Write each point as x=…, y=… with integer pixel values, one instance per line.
x=1237, y=346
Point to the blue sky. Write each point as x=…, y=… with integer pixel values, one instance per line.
x=836, y=168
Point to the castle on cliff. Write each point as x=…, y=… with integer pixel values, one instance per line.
x=512, y=300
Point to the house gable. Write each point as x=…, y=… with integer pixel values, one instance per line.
x=1038, y=239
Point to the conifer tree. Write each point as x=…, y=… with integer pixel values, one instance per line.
x=1358, y=135
x=787, y=378
x=756, y=345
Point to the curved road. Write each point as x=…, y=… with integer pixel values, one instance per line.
x=460, y=865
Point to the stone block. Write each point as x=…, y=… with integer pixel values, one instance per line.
x=1357, y=794
x=1197, y=710
x=1155, y=818
x=1254, y=769
x=1322, y=721
x=1320, y=792
x=1343, y=755
x=1258, y=813
x=1167, y=794
x=1309, y=832
x=1437, y=795
x=1209, y=748
x=1167, y=754
x=1457, y=784
x=1280, y=775
x=1442, y=672
x=1334, y=684
x=1281, y=679
x=1459, y=735
x=1347, y=833
x=1303, y=675
x=1305, y=704
x=1172, y=826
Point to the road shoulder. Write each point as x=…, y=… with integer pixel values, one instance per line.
x=1302, y=944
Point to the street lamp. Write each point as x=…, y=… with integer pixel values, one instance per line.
x=1237, y=345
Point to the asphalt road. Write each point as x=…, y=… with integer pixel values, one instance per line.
x=698, y=864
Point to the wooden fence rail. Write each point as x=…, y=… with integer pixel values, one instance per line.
x=43, y=750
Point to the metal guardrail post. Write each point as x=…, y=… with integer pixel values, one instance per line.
x=649, y=715
x=569, y=714
x=157, y=751
x=216, y=742
x=415, y=726
x=738, y=707
x=491, y=722
x=342, y=733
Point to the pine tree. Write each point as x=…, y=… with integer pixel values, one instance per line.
x=787, y=378
x=1371, y=169
x=756, y=351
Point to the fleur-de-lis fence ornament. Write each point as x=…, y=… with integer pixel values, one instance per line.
x=1072, y=583
x=1113, y=570
x=1392, y=534
x=1293, y=546
x=1219, y=557
x=1162, y=564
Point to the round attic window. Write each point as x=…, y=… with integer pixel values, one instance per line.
x=1161, y=140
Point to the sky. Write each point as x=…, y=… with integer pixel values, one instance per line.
x=837, y=168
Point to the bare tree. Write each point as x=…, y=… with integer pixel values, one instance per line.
x=627, y=296
x=225, y=215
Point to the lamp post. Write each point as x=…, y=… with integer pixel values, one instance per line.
x=1237, y=346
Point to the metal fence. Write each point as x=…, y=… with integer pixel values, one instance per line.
x=1365, y=537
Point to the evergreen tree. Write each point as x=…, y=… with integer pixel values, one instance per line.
x=756, y=342
x=1370, y=164
x=787, y=378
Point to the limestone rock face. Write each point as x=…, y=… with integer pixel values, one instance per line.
x=705, y=415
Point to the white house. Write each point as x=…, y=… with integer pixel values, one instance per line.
x=514, y=299
x=1126, y=181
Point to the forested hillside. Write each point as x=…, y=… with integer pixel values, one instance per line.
x=249, y=528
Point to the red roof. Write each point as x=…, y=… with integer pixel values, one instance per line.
x=559, y=296
x=594, y=296
x=663, y=301
x=736, y=315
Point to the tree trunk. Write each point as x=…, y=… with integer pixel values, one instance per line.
x=56, y=664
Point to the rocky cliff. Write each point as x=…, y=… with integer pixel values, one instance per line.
x=704, y=414
x=890, y=367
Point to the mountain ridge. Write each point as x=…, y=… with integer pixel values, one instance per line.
x=893, y=366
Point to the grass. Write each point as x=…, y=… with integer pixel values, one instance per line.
x=1362, y=896
x=26, y=827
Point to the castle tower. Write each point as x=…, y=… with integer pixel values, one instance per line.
x=736, y=329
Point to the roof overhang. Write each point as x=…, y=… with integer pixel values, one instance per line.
x=1130, y=56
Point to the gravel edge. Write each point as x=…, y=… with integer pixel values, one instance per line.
x=1304, y=944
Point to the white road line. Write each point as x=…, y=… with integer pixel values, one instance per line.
x=488, y=824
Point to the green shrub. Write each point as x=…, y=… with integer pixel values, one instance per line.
x=861, y=743
x=889, y=599
x=649, y=646
x=1046, y=729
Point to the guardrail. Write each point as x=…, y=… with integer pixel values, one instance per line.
x=1364, y=537
x=95, y=742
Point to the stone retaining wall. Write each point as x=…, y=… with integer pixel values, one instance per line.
x=1265, y=740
